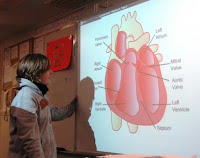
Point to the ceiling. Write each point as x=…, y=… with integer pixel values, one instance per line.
x=20, y=15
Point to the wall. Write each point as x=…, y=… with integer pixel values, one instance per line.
x=4, y=135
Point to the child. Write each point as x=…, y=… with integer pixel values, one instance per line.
x=31, y=132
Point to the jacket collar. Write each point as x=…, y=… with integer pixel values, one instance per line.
x=22, y=82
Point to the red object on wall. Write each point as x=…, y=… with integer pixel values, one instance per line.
x=59, y=53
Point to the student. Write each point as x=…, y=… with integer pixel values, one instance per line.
x=31, y=132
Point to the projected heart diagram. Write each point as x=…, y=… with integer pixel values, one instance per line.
x=135, y=90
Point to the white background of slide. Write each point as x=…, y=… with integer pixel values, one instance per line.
x=180, y=21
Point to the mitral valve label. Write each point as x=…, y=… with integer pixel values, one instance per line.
x=176, y=64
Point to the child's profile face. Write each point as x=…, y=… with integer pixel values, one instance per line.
x=45, y=77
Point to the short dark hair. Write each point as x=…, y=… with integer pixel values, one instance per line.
x=32, y=66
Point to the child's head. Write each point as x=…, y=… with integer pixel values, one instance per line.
x=32, y=66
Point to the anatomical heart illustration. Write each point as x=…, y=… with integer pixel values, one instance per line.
x=135, y=90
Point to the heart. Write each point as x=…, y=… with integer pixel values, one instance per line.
x=135, y=90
